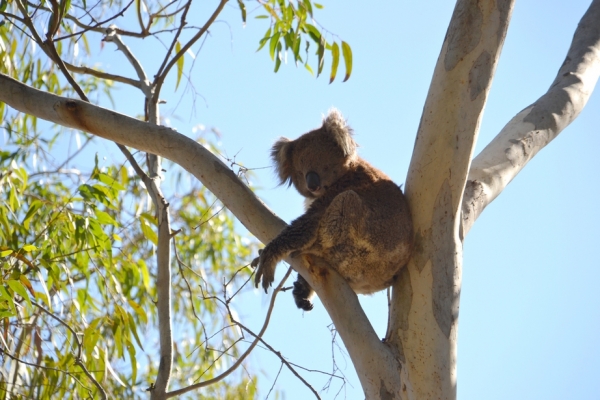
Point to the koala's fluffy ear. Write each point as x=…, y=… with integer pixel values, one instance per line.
x=335, y=125
x=281, y=153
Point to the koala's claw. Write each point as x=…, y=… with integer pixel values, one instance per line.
x=265, y=271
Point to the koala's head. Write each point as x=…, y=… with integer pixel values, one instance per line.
x=317, y=159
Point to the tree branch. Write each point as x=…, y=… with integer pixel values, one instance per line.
x=537, y=125
x=159, y=140
x=144, y=83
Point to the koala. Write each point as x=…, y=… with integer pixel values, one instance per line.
x=356, y=218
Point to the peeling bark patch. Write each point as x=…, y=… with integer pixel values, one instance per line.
x=420, y=253
x=384, y=394
x=480, y=74
x=555, y=110
x=464, y=32
x=405, y=294
x=73, y=109
x=443, y=256
x=522, y=149
x=472, y=206
x=504, y=7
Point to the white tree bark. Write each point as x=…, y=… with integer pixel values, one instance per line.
x=425, y=299
x=537, y=125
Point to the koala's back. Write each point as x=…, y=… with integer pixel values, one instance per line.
x=366, y=230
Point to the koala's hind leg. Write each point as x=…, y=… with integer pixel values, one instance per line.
x=303, y=294
x=338, y=225
x=343, y=216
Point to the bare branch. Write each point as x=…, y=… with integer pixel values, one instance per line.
x=112, y=36
x=538, y=124
x=97, y=27
x=182, y=24
x=160, y=77
x=245, y=354
x=103, y=75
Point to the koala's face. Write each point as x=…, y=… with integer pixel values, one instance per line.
x=317, y=162
x=317, y=159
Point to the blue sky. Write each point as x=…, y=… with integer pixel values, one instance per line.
x=530, y=307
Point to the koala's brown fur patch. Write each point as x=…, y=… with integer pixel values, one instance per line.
x=357, y=219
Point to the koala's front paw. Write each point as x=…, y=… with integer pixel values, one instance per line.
x=266, y=268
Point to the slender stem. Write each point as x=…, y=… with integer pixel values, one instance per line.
x=245, y=354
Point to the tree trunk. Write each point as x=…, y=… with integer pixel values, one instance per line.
x=425, y=302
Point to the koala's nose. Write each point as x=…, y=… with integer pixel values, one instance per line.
x=313, y=182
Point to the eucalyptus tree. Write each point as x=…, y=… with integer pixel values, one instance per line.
x=447, y=187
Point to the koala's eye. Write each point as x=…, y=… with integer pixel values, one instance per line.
x=313, y=181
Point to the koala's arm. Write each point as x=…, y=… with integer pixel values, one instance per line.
x=297, y=236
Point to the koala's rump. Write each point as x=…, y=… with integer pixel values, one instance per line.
x=365, y=236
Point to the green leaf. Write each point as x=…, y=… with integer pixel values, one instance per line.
x=335, y=55
x=105, y=218
x=29, y=248
x=320, y=55
x=308, y=6
x=133, y=329
x=309, y=69
x=279, y=57
x=273, y=44
x=271, y=11
x=109, y=181
x=131, y=350
x=347, y=52
x=45, y=288
x=180, y=61
x=96, y=230
x=19, y=289
x=148, y=231
x=91, y=334
x=264, y=40
x=9, y=299
x=313, y=32
x=243, y=10
x=35, y=205
x=145, y=274
x=5, y=253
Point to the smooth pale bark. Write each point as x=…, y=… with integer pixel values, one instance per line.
x=538, y=124
x=426, y=296
x=375, y=364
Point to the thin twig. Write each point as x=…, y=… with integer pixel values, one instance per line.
x=177, y=34
x=78, y=360
x=245, y=354
x=275, y=381
x=159, y=79
x=17, y=359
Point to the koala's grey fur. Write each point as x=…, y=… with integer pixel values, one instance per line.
x=357, y=219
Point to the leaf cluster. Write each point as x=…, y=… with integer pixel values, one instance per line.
x=80, y=246
x=293, y=29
